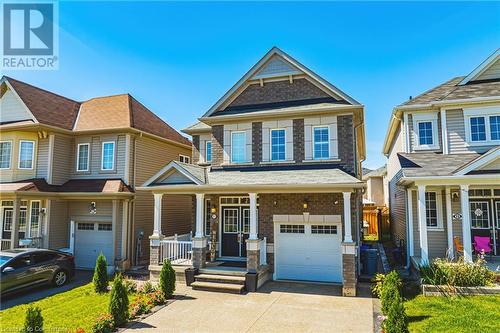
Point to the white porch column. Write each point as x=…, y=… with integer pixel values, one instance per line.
x=466, y=239
x=72, y=237
x=409, y=210
x=347, y=217
x=422, y=223
x=253, y=216
x=199, y=215
x=157, y=214
x=449, y=226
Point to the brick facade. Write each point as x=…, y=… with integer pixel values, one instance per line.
x=298, y=140
x=196, y=148
x=347, y=149
x=257, y=142
x=217, y=144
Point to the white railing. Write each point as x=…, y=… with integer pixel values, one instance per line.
x=179, y=252
x=33, y=242
x=182, y=237
x=5, y=244
x=263, y=251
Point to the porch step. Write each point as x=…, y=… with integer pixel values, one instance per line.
x=219, y=287
x=226, y=271
x=216, y=278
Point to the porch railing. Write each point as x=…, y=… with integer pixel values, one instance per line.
x=33, y=242
x=263, y=251
x=179, y=252
x=5, y=244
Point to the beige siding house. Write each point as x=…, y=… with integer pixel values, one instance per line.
x=69, y=172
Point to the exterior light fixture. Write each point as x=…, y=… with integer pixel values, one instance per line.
x=213, y=210
x=93, y=208
x=305, y=204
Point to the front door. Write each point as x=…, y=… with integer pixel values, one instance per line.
x=496, y=226
x=481, y=219
x=235, y=230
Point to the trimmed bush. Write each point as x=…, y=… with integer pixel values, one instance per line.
x=378, y=280
x=167, y=279
x=104, y=324
x=118, y=303
x=396, y=321
x=390, y=288
x=33, y=321
x=100, y=278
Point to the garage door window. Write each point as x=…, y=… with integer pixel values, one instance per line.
x=291, y=228
x=104, y=227
x=324, y=229
x=85, y=226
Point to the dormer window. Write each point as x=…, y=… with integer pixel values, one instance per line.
x=425, y=129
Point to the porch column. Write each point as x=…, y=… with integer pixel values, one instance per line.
x=157, y=236
x=199, y=240
x=349, y=278
x=14, y=234
x=157, y=214
x=422, y=223
x=253, y=243
x=466, y=239
x=253, y=216
x=347, y=217
x=123, y=252
x=409, y=210
x=449, y=225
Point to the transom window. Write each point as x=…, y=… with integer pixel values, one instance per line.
x=82, y=163
x=208, y=151
x=495, y=127
x=278, y=144
x=5, y=154
x=291, y=228
x=425, y=136
x=238, y=147
x=480, y=214
x=321, y=143
x=108, y=155
x=431, y=209
x=324, y=229
x=26, y=153
x=477, y=129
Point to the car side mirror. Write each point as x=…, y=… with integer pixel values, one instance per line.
x=7, y=269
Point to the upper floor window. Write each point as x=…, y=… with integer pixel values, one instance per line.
x=482, y=125
x=184, y=159
x=425, y=129
x=208, y=151
x=5, y=154
x=321, y=144
x=82, y=160
x=277, y=145
x=425, y=133
x=108, y=155
x=495, y=127
x=477, y=129
x=26, y=154
x=238, y=147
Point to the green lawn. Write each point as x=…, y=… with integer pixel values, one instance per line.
x=68, y=310
x=479, y=314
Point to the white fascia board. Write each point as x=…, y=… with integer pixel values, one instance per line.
x=482, y=67
x=479, y=162
x=451, y=180
x=170, y=166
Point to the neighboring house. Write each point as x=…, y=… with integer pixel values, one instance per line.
x=376, y=191
x=69, y=171
x=444, y=165
x=276, y=175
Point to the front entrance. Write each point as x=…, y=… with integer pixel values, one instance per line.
x=485, y=221
x=235, y=231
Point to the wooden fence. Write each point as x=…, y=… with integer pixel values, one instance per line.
x=379, y=227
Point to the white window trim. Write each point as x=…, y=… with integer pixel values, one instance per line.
x=78, y=157
x=314, y=141
x=28, y=222
x=10, y=155
x=245, y=147
x=271, y=144
x=439, y=208
x=32, y=155
x=185, y=158
x=206, y=151
x=425, y=118
x=102, y=155
x=485, y=112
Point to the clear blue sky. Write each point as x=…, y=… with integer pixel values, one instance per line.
x=179, y=58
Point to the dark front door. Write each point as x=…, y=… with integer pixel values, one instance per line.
x=497, y=227
x=481, y=219
x=235, y=230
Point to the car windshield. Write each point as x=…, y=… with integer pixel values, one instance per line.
x=4, y=259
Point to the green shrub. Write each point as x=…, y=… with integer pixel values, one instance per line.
x=118, y=303
x=459, y=274
x=396, y=320
x=104, y=324
x=390, y=288
x=378, y=280
x=33, y=321
x=167, y=279
x=100, y=278
x=130, y=286
x=147, y=288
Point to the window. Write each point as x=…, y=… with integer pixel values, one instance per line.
x=208, y=151
x=321, y=143
x=5, y=154
x=108, y=156
x=22, y=219
x=495, y=127
x=246, y=221
x=26, y=151
x=324, y=229
x=477, y=129
x=231, y=220
x=34, y=218
x=291, y=228
x=23, y=261
x=85, y=226
x=82, y=162
x=480, y=215
x=277, y=145
x=44, y=257
x=238, y=147
x=184, y=159
x=431, y=209
x=7, y=219
x=425, y=133
x=104, y=227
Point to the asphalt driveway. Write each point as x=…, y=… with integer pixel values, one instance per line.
x=277, y=307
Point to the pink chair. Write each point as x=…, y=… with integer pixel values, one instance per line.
x=482, y=244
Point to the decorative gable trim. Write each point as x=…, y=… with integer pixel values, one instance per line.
x=172, y=166
x=479, y=162
x=490, y=61
x=7, y=83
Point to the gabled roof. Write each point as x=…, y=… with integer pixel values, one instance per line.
x=483, y=67
x=380, y=172
x=478, y=162
x=294, y=67
x=105, y=186
x=197, y=128
x=432, y=164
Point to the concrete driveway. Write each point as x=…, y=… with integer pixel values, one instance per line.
x=277, y=307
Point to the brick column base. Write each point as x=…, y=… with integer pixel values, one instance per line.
x=349, y=278
x=199, y=252
x=154, y=249
x=253, y=255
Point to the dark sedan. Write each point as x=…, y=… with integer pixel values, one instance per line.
x=26, y=268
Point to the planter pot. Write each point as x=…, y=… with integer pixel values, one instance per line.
x=251, y=280
x=189, y=273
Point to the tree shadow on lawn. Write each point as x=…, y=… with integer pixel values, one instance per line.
x=414, y=319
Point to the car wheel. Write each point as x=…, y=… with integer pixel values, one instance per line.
x=60, y=278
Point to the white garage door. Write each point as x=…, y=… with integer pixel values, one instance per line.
x=310, y=252
x=92, y=238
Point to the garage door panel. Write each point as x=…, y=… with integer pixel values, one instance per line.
x=90, y=243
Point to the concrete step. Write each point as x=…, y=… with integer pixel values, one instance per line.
x=230, y=279
x=227, y=271
x=218, y=287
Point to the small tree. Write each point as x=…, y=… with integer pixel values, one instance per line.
x=118, y=303
x=390, y=287
x=396, y=321
x=33, y=321
x=100, y=278
x=167, y=279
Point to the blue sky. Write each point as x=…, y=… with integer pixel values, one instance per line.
x=179, y=58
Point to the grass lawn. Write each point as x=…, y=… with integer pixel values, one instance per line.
x=68, y=310
x=454, y=314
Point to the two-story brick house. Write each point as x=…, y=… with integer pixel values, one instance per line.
x=69, y=171
x=444, y=166
x=276, y=179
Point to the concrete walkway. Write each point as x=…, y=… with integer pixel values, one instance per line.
x=277, y=307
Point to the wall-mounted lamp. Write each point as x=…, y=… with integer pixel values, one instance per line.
x=305, y=204
x=454, y=196
x=213, y=210
x=43, y=211
x=275, y=203
x=93, y=208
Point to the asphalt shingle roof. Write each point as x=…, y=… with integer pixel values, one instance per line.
x=432, y=164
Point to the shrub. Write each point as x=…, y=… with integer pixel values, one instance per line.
x=157, y=297
x=390, y=288
x=141, y=305
x=378, y=280
x=167, y=279
x=100, y=278
x=396, y=321
x=146, y=288
x=130, y=286
x=104, y=324
x=33, y=321
x=118, y=303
